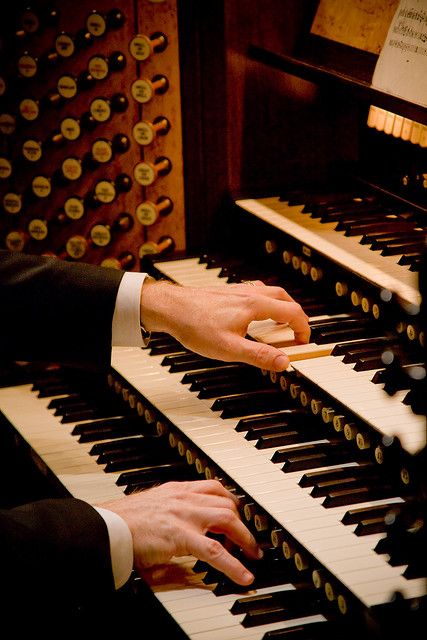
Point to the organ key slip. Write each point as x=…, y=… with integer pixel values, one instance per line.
x=208, y=144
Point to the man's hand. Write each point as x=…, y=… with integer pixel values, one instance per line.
x=173, y=520
x=214, y=321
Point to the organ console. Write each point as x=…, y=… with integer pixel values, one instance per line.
x=291, y=168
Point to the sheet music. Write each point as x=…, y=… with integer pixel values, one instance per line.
x=401, y=69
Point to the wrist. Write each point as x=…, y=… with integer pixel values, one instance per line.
x=156, y=305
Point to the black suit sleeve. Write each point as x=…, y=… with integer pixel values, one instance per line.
x=54, y=556
x=56, y=311
x=54, y=553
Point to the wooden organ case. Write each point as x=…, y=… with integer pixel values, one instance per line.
x=289, y=174
x=91, y=148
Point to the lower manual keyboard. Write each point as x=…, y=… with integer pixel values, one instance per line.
x=332, y=544
x=200, y=613
x=353, y=561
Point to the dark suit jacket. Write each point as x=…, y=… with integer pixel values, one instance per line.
x=56, y=311
x=54, y=552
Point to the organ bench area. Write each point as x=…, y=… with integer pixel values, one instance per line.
x=327, y=458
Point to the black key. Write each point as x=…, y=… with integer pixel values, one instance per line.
x=71, y=405
x=224, y=389
x=414, y=570
x=372, y=236
x=105, y=429
x=194, y=364
x=416, y=264
x=287, y=438
x=317, y=203
x=139, y=461
x=349, y=333
x=370, y=526
x=379, y=229
x=168, y=349
x=79, y=400
x=354, y=354
x=333, y=321
x=396, y=250
x=347, y=212
x=59, y=400
x=322, y=447
x=353, y=516
x=353, y=225
x=285, y=417
x=49, y=378
x=158, y=473
x=324, y=488
x=143, y=445
x=226, y=586
x=272, y=563
x=409, y=258
x=359, y=494
x=366, y=363
x=343, y=347
x=224, y=369
x=88, y=413
x=164, y=340
x=398, y=240
x=276, y=614
x=287, y=597
x=124, y=444
x=264, y=395
x=179, y=358
x=259, y=432
x=319, y=630
x=59, y=389
x=159, y=337
x=395, y=375
x=243, y=405
x=362, y=469
x=223, y=375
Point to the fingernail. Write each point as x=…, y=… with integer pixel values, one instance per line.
x=248, y=577
x=281, y=363
x=260, y=553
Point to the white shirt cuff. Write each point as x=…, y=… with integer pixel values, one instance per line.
x=121, y=546
x=126, y=327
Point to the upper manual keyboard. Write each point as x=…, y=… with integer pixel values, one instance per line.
x=384, y=271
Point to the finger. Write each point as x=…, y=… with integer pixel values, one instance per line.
x=213, y=487
x=267, y=290
x=214, y=553
x=236, y=531
x=205, y=501
x=254, y=283
x=262, y=355
x=285, y=312
x=277, y=292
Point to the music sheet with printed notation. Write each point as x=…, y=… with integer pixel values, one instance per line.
x=401, y=69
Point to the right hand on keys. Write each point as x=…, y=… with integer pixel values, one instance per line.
x=173, y=519
x=214, y=321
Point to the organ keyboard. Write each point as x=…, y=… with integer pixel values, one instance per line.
x=384, y=271
x=330, y=543
x=358, y=393
x=328, y=457
x=308, y=450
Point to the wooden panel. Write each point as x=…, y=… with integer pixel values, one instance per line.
x=144, y=18
x=152, y=18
